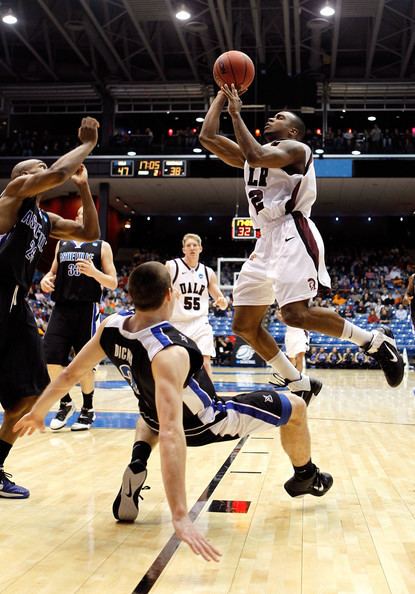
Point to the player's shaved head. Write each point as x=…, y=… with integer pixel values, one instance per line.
x=148, y=285
x=24, y=167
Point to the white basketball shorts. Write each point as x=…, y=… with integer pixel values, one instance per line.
x=201, y=332
x=287, y=264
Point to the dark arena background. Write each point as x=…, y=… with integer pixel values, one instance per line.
x=143, y=69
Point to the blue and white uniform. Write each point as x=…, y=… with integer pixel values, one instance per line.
x=206, y=417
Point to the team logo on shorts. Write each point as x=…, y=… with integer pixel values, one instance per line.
x=268, y=398
x=311, y=284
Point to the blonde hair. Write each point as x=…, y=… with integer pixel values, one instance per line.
x=197, y=238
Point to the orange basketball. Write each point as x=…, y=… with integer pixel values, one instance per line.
x=234, y=67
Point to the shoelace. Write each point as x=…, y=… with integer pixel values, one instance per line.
x=7, y=476
x=62, y=412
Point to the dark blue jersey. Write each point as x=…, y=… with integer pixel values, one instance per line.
x=70, y=284
x=22, y=246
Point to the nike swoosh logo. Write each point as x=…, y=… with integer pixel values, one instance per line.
x=288, y=238
x=394, y=358
x=319, y=488
x=129, y=493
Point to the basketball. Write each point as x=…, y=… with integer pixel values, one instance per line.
x=234, y=67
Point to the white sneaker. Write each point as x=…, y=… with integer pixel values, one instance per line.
x=85, y=420
x=66, y=410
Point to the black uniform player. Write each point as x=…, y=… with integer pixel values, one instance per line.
x=24, y=231
x=78, y=273
x=178, y=403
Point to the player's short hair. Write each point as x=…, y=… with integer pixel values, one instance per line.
x=148, y=285
x=298, y=124
x=197, y=238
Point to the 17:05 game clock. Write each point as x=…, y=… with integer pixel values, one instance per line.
x=243, y=228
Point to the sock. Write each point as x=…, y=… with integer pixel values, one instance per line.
x=304, y=472
x=284, y=367
x=4, y=451
x=66, y=399
x=88, y=400
x=355, y=334
x=141, y=451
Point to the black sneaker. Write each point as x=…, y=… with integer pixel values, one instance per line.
x=125, y=506
x=306, y=387
x=66, y=410
x=383, y=349
x=85, y=420
x=317, y=485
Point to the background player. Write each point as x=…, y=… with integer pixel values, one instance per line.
x=178, y=403
x=408, y=299
x=288, y=261
x=194, y=283
x=78, y=273
x=297, y=343
x=24, y=231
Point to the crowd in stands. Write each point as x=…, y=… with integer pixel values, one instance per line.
x=368, y=289
x=28, y=143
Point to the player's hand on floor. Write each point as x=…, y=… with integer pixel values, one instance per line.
x=28, y=424
x=186, y=531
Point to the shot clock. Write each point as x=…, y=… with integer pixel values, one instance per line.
x=243, y=228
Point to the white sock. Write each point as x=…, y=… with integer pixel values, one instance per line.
x=355, y=334
x=284, y=367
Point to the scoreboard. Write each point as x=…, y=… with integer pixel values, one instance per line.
x=243, y=228
x=148, y=168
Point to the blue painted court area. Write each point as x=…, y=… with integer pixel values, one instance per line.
x=104, y=420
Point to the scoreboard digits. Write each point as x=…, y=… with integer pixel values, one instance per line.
x=122, y=168
x=243, y=228
x=148, y=168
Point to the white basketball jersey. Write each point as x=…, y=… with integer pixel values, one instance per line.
x=273, y=193
x=192, y=285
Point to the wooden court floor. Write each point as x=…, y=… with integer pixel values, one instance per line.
x=358, y=539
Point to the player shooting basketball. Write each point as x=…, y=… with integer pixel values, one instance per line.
x=287, y=264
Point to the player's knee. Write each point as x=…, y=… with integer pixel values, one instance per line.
x=298, y=409
x=294, y=317
x=243, y=327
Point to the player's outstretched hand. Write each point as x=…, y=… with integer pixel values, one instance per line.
x=88, y=132
x=80, y=176
x=234, y=101
x=221, y=303
x=28, y=424
x=186, y=531
x=407, y=300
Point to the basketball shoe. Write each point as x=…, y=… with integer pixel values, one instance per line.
x=9, y=489
x=125, y=506
x=316, y=485
x=66, y=410
x=306, y=387
x=85, y=420
x=383, y=349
